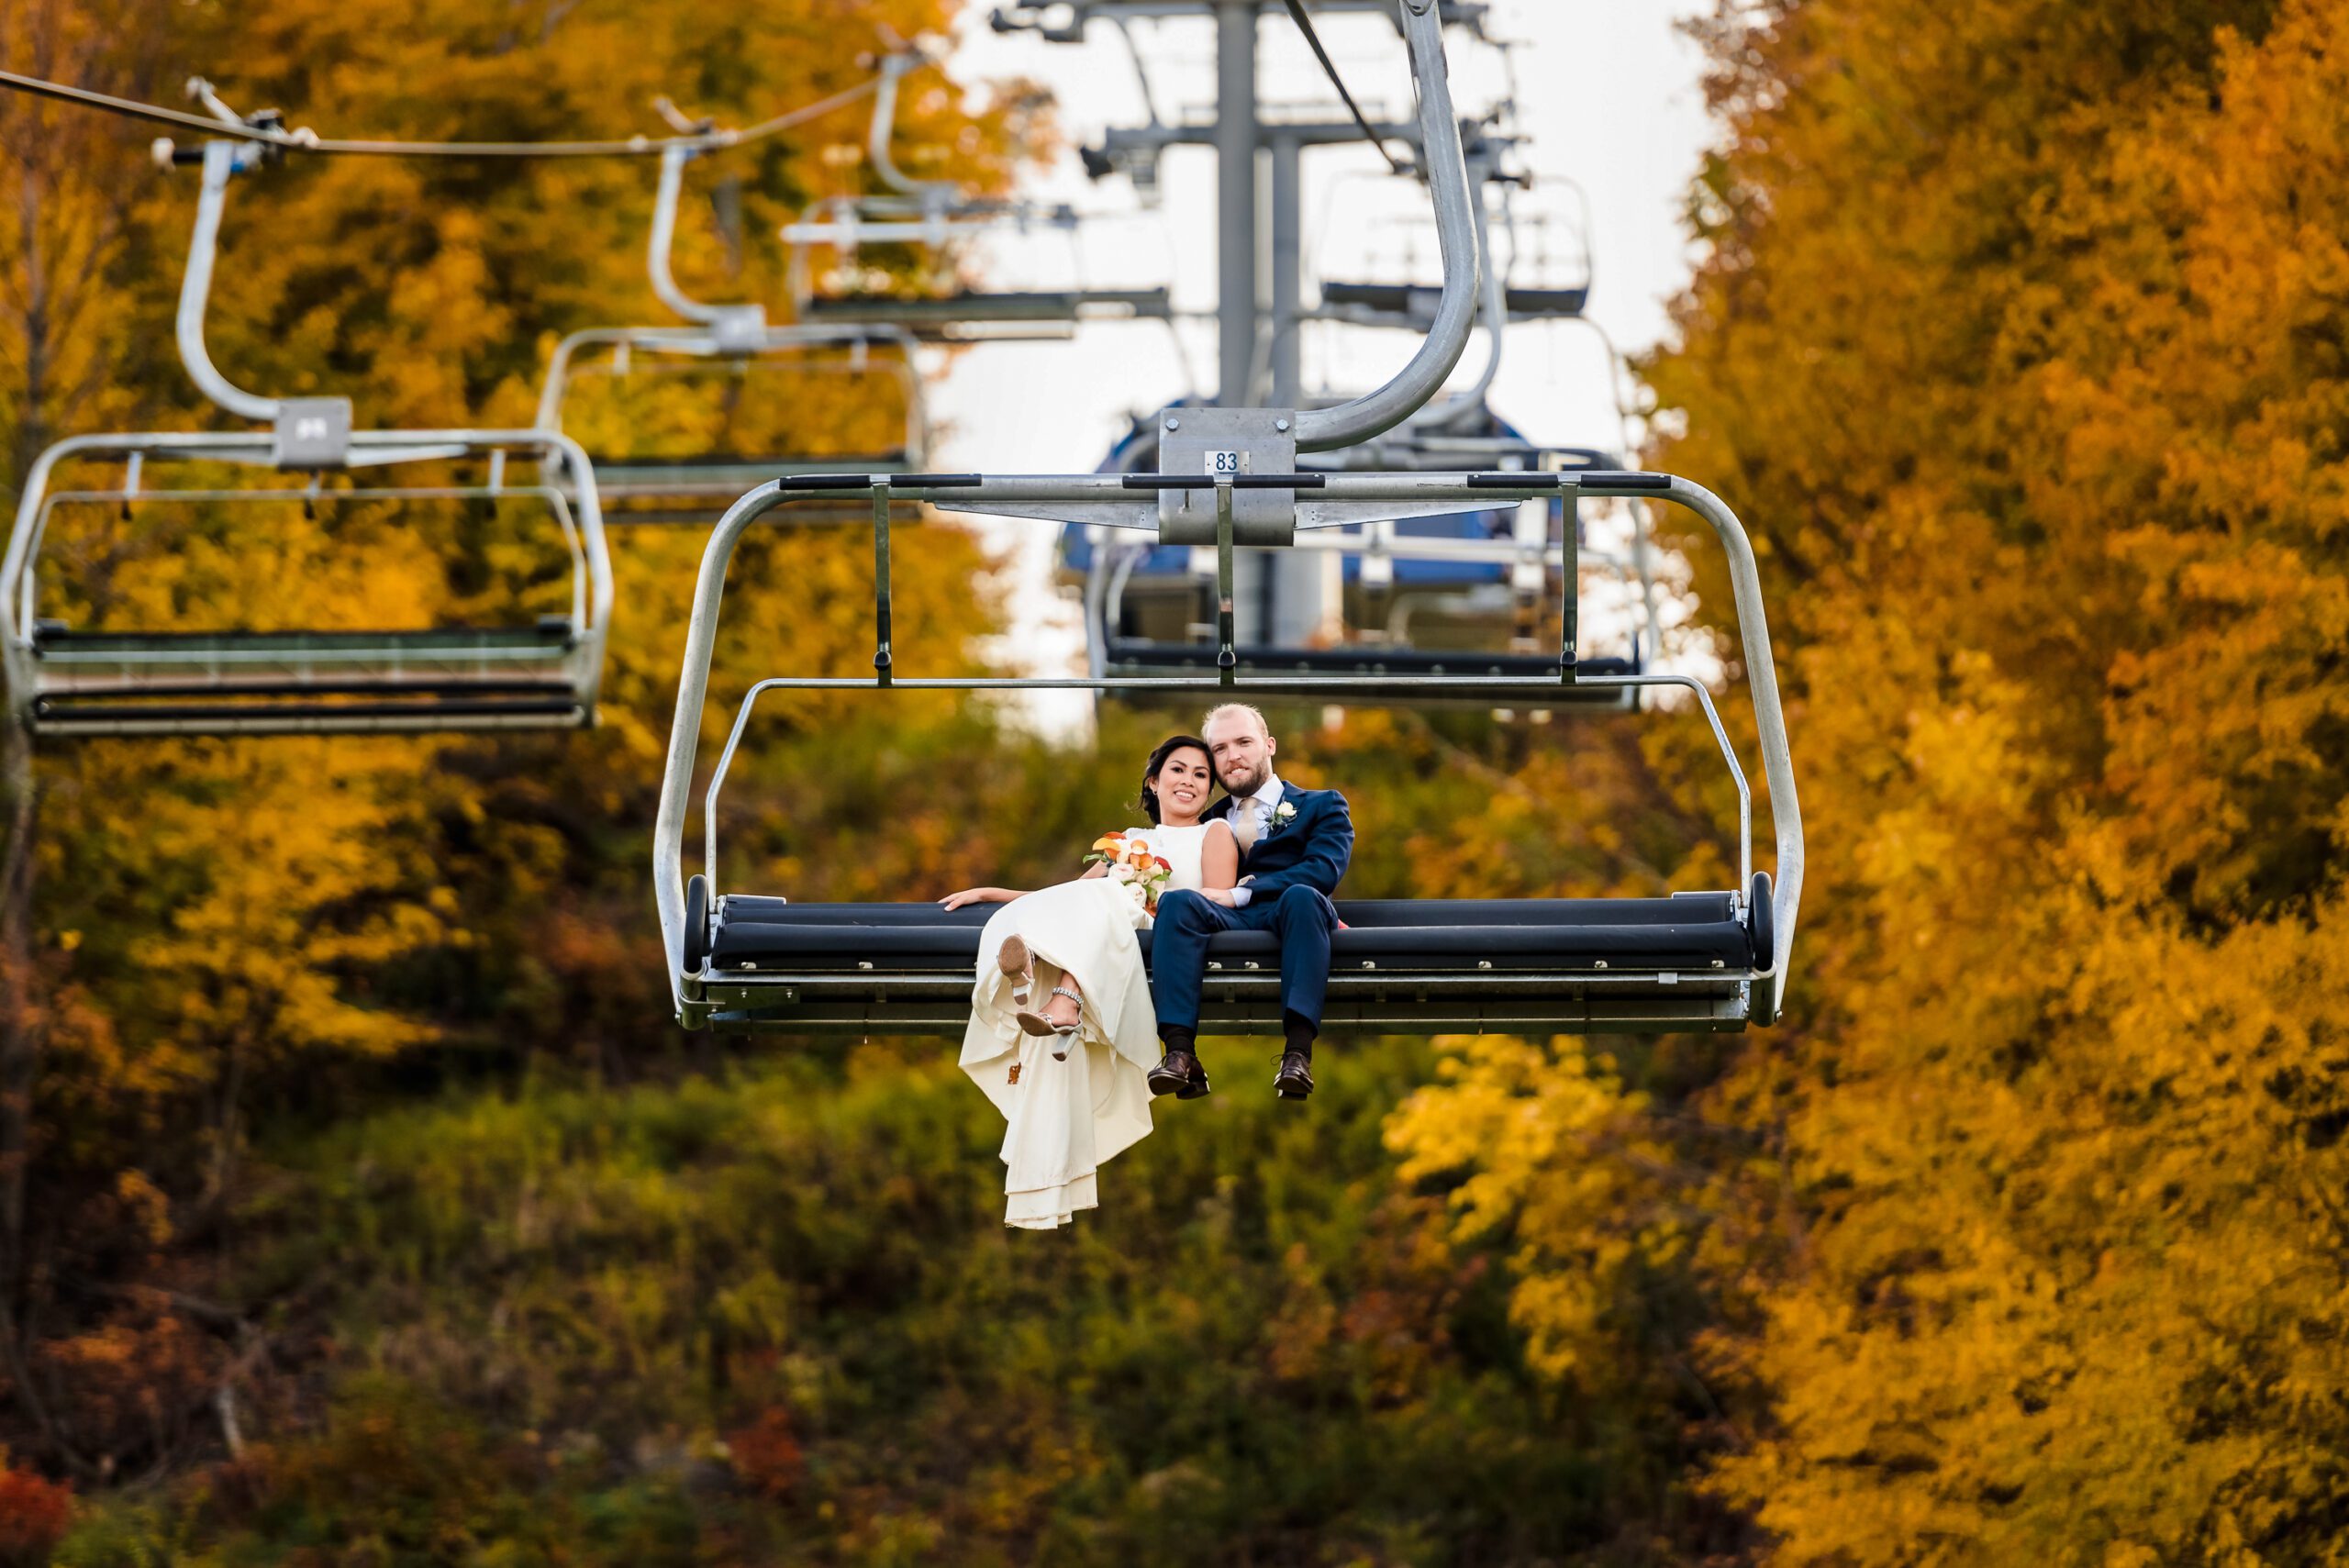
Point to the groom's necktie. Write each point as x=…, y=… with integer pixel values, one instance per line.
x=1248, y=823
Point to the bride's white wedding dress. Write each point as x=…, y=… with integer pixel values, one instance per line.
x=1067, y=1116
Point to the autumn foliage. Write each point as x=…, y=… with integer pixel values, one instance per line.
x=357, y=1205
x=202, y=932
x=2020, y=337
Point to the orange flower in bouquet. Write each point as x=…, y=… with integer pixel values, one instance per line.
x=1131, y=863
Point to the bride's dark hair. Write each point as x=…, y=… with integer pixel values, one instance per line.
x=1158, y=759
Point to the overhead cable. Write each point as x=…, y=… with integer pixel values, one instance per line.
x=304, y=140
x=1329, y=69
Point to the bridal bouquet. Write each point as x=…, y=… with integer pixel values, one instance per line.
x=1132, y=864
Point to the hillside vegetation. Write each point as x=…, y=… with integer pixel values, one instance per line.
x=359, y=1204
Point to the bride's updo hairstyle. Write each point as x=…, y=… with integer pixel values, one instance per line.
x=1158, y=759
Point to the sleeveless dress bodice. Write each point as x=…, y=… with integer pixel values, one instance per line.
x=1185, y=848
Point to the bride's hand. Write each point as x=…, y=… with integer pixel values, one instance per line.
x=953, y=901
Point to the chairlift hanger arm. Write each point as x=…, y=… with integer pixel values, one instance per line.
x=1321, y=430
x=221, y=160
x=894, y=67
x=664, y=239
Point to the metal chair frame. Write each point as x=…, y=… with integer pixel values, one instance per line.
x=691, y=489
x=934, y=213
x=278, y=684
x=877, y=999
x=232, y=682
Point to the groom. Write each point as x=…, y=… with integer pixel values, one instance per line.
x=1295, y=845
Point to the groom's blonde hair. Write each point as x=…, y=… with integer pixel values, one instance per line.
x=1215, y=713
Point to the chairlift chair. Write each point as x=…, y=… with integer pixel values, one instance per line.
x=939, y=217
x=752, y=963
x=693, y=488
x=1229, y=478
x=543, y=673
x=1544, y=265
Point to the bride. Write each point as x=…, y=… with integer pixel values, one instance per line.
x=1069, y=1075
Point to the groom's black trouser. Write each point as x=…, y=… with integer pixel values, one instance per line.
x=1303, y=918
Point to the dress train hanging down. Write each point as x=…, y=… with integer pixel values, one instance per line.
x=1065, y=1118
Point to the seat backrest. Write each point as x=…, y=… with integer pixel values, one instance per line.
x=1369, y=914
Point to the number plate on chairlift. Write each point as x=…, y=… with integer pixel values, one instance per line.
x=1227, y=443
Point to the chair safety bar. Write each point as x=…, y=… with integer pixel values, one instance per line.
x=1110, y=499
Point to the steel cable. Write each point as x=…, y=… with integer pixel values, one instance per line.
x=1329, y=69
x=305, y=142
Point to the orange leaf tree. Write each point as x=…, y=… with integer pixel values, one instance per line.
x=2018, y=337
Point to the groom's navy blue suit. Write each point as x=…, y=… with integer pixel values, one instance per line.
x=1291, y=874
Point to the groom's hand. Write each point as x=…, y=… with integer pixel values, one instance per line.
x=1220, y=896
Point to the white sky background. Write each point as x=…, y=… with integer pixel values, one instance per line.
x=1608, y=92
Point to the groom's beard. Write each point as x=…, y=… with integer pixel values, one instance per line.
x=1241, y=788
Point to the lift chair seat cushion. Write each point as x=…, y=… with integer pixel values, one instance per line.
x=1699, y=931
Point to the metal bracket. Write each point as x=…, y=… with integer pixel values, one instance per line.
x=738, y=329
x=883, y=634
x=312, y=433
x=1227, y=443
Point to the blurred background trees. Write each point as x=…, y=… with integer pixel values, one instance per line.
x=2019, y=330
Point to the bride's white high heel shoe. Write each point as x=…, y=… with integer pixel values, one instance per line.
x=1018, y=967
x=1061, y=1034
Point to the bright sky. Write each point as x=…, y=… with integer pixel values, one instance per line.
x=1608, y=90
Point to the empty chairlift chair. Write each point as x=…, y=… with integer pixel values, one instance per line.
x=938, y=217
x=1714, y=961
x=536, y=673
x=691, y=483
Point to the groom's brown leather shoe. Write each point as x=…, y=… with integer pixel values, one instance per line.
x=1294, y=1079
x=1178, y=1073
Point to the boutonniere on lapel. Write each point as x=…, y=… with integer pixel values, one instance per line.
x=1282, y=814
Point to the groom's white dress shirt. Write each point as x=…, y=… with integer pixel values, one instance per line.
x=1250, y=820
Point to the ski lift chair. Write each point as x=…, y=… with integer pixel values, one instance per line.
x=1425, y=596
x=955, y=314
x=937, y=215
x=744, y=961
x=750, y=961
x=540, y=673
x=693, y=488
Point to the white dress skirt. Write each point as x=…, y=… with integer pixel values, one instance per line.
x=1065, y=1117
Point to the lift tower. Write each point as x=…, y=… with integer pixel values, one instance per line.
x=1259, y=350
